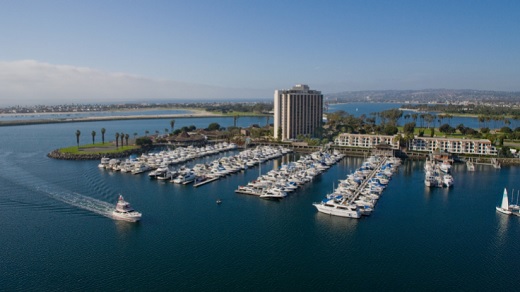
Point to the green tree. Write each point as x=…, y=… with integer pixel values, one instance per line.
x=122, y=138
x=93, y=137
x=117, y=140
x=506, y=130
x=409, y=127
x=126, y=138
x=213, y=127
x=444, y=128
x=390, y=129
x=103, y=130
x=78, y=133
x=143, y=141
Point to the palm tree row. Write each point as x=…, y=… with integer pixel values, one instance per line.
x=124, y=137
x=103, y=131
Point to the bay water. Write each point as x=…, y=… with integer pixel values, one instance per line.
x=55, y=233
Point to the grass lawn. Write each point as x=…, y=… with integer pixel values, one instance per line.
x=97, y=148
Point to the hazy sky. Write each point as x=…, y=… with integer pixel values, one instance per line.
x=89, y=51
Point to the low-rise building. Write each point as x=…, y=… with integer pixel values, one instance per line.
x=426, y=144
x=453, y=145
x=366, y=140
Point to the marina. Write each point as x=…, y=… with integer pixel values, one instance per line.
x=47, y=202
x=438, y=174
x=276, y=184
x=358, y=194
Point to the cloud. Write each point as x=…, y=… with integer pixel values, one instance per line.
x=32, y=82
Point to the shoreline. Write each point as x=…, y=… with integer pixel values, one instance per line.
x=192, y=114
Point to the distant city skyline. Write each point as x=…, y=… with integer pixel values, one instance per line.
x=119, y=51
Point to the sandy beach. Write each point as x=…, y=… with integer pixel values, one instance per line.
x=192, y=113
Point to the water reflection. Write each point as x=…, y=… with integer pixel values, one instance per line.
x=335, y=223
x=125, y=229
x=503, y=225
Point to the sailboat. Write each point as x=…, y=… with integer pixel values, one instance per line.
x=504, y=207
x=514, y=207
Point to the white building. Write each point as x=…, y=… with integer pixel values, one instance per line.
x=365, y=140
x=427, y=144
x=297, y=111
x=453, y=145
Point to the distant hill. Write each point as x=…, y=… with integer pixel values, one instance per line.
x=424, y=96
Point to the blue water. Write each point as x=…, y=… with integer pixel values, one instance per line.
x=358, y=109
x=54, y=234
x=76, y=115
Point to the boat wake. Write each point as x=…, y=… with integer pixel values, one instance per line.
x=80, y=201
x=30, y=182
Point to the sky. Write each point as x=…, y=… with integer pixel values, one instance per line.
x=124, y=51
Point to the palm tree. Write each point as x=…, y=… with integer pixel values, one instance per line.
x=172, y=124
x=93, y=137
x=122, y=138
x=481, y=120
x=146, y=132
x=414, y=117
x=135, y=135
x=78, y=133
x=126, y=138
x=117, y=140
x=103, y=135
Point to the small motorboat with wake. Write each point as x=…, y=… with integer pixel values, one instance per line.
x=125, y=212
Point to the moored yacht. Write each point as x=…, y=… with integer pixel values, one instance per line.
x=273, y=193
x=333, y=208
x=447, y=180
x=125, y=212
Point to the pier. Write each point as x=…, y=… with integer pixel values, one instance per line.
x=366, y=181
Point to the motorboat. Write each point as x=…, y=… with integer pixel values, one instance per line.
x=185, y=178
x=337, y=209
x=445, y=166
x=125, y=212
x=447, y=180
x=273, y=193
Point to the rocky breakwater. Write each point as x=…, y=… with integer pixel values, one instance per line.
x=57, y=154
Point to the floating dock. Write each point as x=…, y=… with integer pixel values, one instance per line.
x=206, y=181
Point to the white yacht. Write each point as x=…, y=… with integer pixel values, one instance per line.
x=125, y=212
x=158, y=172
x=333, y=208
x=504, y=207
x=104, y=162
x=185, y=178
x=273, y=193
x=447, y=180
x=445, y=166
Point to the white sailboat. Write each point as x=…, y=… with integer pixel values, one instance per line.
x=504, y=207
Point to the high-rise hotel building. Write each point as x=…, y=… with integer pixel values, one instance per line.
x=298, y=110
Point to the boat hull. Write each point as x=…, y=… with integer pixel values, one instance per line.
x=127, y=218
x=503, y=211
x=337, y=212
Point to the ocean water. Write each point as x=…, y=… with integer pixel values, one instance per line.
x=55, y=233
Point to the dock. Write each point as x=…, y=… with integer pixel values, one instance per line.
x=247, y=192
x=366, y=181
x=205, y=181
